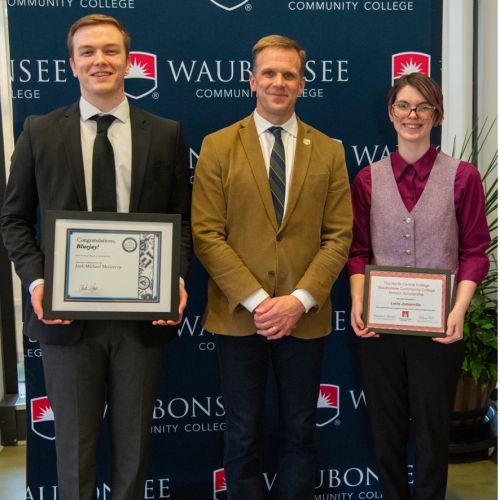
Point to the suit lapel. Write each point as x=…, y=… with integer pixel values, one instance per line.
x=141, y=131
x=70, y=133
x=253, y=151
x=303, y=150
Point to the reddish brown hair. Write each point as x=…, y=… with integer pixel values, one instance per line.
x=426, y=86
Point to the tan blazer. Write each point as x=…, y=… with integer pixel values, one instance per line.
x=237, y=238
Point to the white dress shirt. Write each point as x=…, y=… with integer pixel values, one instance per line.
x=266, y=138
x=120, y=136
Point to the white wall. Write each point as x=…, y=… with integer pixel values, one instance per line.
x=458, y=71
x=488, y=80
x=8, y=132
x=5, y=87
x=5, y=94
x=488, y=73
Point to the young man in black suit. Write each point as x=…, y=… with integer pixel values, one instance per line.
x=89, y=363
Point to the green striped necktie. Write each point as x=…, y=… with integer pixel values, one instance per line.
x=277, y=173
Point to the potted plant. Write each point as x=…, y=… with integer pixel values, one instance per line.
x=479, y=368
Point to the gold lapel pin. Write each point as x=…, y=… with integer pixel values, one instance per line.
x=307, y=142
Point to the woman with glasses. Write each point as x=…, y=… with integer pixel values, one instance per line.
x=417, y=208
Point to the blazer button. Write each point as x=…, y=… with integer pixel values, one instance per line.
x=279, y=237
x=271, y=274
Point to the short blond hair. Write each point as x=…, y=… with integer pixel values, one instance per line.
x=283, y=42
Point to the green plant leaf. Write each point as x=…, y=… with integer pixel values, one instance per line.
x=481, y=322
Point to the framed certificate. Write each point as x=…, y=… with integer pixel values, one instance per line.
x=107, y=265
x=406, y=300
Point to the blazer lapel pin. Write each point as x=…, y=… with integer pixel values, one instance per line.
x=307, y=142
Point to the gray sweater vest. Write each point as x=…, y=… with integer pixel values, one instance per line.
x=425, y=237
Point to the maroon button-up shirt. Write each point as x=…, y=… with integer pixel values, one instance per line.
x=411, y=180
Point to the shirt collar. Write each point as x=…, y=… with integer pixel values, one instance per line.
x=122, y=111
x=261, y=124
x=422, y=166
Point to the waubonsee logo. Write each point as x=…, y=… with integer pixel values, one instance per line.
x=229, y=4
x=42, y=418
x=405, y=63
x=141, y=79
x=328, y=404
x=220, y=487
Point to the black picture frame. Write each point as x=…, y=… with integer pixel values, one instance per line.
x=165, y=229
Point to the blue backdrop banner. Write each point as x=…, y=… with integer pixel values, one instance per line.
x=191, y=62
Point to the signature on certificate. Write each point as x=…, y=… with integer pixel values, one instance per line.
x=87, y=287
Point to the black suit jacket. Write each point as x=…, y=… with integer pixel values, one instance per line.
x=47, y=173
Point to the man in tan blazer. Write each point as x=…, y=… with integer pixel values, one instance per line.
x=271, y=219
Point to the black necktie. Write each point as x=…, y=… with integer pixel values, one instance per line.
x=103, y=168
x=277, y=173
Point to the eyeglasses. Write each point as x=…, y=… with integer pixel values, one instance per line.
x=403, y=109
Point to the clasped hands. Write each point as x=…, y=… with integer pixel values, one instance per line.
x=276, y=317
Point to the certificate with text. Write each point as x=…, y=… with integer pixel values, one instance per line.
x=112, y=265
x=407, y=301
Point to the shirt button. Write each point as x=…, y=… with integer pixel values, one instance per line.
x=407, y=236
x=407, y=252
x=408, y=220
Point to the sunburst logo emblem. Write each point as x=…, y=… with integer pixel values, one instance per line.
x=141, y=78
x=410, y=67
x=405, y=63
x=328, y=404
x=139, y=70
x=220, y=485
x=42, y=418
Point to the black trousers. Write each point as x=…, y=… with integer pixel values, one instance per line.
x=244, y=365
x=109, y=365
x=410, y=381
